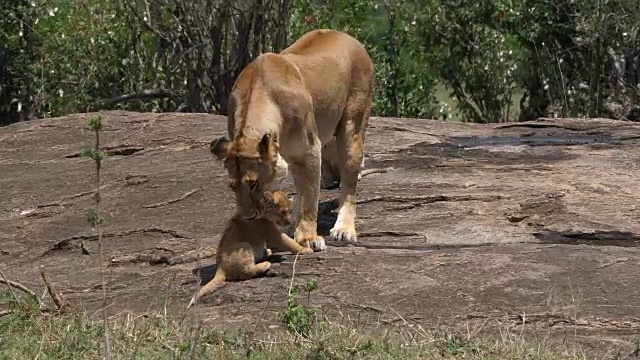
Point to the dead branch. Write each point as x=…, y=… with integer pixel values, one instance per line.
x=404, y=129
x=17, y=285
x=9, y=284
x=144, y=95
x=73, y=241
x=367, y=172
x=192, y=256
x=153, y=257
x=389, y=233
x=61, y=304
x=427, y=199
x=540, y=125
x=168, y=202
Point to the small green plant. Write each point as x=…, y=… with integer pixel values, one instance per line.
x=19, y=308
x=299, y=318
x=93, y=217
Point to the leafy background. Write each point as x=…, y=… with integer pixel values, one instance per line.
x=483, y=61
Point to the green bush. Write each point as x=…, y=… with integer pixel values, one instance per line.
x=485, y=61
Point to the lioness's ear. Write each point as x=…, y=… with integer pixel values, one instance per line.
x=269, y=146
x=220, y=147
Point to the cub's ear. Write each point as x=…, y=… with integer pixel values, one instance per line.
x=220, y=147
x=269, y=146
x=281, y=198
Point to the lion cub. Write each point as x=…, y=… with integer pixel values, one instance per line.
x=244, y=242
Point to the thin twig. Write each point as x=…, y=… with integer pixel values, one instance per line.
x=100, y=245
x=196, y=335
x=168, y=202
x=249, y=343
x=195, y=299
x=194, y=341
x=62, y=305
x=16, y=285
x=293, y=273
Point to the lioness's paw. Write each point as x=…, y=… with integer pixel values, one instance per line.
x=343, y=234
x=318, y=244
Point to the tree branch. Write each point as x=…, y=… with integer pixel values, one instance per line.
x=144, y=95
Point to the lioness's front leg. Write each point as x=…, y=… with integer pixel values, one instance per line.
x=306, y=178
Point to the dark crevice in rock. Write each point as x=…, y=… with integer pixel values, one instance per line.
x=119, y=150
x=598, y=238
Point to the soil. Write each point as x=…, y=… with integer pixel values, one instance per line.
x=521, y=228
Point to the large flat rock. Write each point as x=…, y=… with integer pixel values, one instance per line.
x=518, y=227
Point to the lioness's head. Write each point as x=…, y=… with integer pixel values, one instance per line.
x=277, y=207
x=251, y=164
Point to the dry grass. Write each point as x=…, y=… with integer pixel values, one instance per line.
x=29, y=334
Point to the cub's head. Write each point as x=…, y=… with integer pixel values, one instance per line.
x=251, y=164
x=277, y=207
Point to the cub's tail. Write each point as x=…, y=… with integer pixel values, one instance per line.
x=215, y=283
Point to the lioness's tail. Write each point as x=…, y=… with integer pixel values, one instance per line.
x=215, y=283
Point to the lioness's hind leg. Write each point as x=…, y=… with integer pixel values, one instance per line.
x=350, y=139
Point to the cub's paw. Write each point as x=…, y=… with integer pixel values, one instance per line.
x=343, y=234
x=305, y=251
x=314, y=242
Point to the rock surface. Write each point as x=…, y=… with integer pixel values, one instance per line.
x=485, y=228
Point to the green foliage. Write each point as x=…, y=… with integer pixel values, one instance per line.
x=404, y=82
x=92, y=217
x=474, y=59
x=95, y=123
x=496, y=60
x=299, y=319
x=16, y=46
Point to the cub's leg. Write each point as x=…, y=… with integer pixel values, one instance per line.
x=350, y=139
x=306, y=177
x=254, y=271
x=287, y=243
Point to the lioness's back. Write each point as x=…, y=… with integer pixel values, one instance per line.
x=317, y=42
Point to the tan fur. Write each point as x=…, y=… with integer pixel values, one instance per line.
x=285, y=107
x=245, y=242
x=330, y=169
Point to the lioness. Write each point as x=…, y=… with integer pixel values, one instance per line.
x=282, y=109
x=244, y=242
